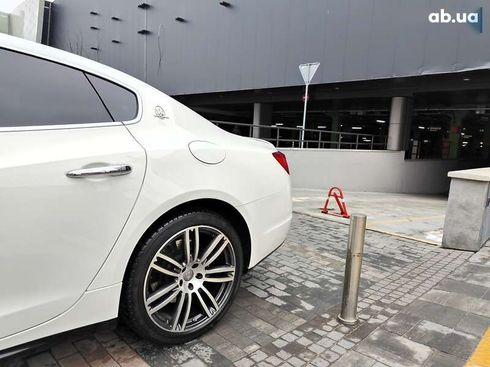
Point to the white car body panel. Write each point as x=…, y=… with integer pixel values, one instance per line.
x=49, y=269
x=164, y=189
x=93, y=307
x=157, y=147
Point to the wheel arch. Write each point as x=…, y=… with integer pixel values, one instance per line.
x=214, y=205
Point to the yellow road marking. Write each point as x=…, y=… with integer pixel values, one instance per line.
x=401, y=235
x=481, y=355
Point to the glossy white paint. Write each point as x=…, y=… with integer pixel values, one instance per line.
x=67, y=242
x=207, y=152
x=93, y=307
x=56, y=231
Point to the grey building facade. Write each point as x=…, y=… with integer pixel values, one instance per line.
x=258, y=44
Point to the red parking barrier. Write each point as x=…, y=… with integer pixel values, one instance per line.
x=338, y=195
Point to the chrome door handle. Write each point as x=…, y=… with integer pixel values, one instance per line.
x=112, y=170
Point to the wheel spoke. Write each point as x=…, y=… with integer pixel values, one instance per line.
x=211, y=247
x=187, y=310
x=187, y=245
x=220, y=280
x=170, y=260
x=160, y=293
x=196, y=243
x=211, y=298
x=178, y=311
x=164, y=271
x=203, y=304
x=221, y=269
x=217, y=253
x=164, y=303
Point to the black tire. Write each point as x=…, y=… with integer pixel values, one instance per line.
x=135, y=294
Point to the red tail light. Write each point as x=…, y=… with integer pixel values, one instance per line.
x=281, y=158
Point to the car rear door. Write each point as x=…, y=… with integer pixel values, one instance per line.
x=70, y=174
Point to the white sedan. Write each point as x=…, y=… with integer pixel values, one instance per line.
x=116, y=200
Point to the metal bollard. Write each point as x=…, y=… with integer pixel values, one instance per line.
x=353, y=262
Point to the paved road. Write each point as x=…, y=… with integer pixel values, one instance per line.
x=419, y=305
x=419, y=217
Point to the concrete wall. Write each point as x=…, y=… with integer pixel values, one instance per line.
x=4, y=23
x=26, y=20
x=373, y=171
x=486, y=216
x=259, y=43
x=466, y=223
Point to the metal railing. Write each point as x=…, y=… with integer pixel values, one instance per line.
x=290, y=137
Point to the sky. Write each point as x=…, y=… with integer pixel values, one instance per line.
x=8, y=5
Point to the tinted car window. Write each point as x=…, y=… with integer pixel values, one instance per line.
x=36, y=92
x=121, y=103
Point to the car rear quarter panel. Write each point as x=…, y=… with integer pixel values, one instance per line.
x=248, y=174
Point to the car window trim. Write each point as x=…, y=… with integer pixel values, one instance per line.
x=98, y=95
x=60, y=127
x=76, y=126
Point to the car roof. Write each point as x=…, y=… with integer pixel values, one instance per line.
x=69, y=59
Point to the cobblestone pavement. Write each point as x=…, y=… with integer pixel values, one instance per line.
x=419, y=305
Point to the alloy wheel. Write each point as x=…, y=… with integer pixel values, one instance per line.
x=190, y=279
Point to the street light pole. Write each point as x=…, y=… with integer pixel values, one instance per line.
x=307, y=72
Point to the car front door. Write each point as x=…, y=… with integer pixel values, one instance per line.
x=69, y=178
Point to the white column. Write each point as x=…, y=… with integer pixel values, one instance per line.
x=399, y=123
